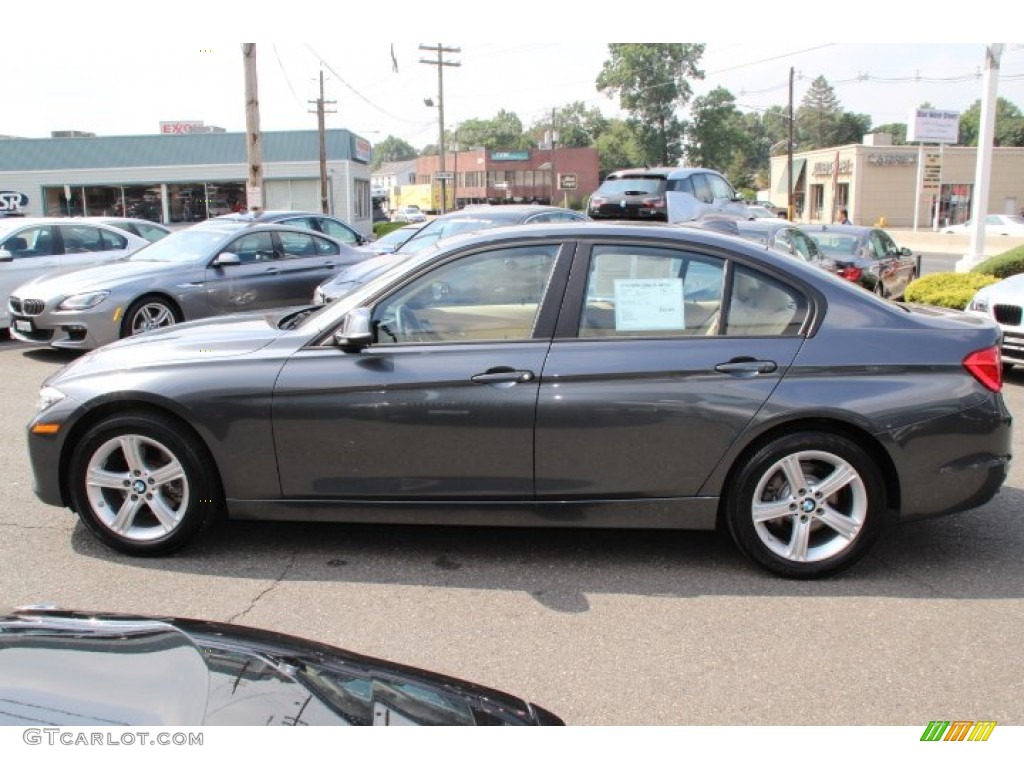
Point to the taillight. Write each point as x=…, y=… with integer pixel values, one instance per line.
x=851, y=273
x=654, y=202
x=986, y=366
x=596, y=202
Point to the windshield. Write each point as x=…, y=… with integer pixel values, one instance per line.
x=185, y=247
x=439, y=229
x=837, y=244
x=636, y=186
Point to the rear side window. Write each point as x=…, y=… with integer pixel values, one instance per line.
x=79, y=238
x=702, y=189
x=762, y=306
x=644, y=291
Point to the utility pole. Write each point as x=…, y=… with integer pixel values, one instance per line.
x=983, y=168
x=789, y=204
x=440, y=63
x=554, y=175
x=253, y=139
x=323, y=143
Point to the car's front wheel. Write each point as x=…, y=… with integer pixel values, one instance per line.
x=141, y=484
x=147, y=314
x=807, y=504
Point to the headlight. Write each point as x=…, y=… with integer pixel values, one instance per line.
x=979, y=304
x=83, y=300
x=48, y=396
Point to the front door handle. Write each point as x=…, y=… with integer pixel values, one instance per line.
x=503, y=375
x=747, y=367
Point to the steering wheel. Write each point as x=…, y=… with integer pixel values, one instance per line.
x=407, y=325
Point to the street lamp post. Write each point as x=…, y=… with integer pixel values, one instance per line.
x=440, y=64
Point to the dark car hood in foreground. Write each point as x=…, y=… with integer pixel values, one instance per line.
x=78, y=669
x=196, y=341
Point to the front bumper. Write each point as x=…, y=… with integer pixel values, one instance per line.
x=85, y=329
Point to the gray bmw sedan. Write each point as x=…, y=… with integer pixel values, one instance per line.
x=583, y=375
x=216, y=269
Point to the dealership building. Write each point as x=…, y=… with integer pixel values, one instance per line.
x=929, y=184
x=184, y=176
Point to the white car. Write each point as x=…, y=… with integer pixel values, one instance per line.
x=995, y=224
x=410, y=213
x=33, y=247
x=1004, y=303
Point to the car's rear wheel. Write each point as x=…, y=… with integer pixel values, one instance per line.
x=141, y=484
x=807, y=504
x=147, y=314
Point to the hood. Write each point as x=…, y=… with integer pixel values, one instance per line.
x=110, y=669
x=1009, y=290
x=196, y=341
x=102, y=276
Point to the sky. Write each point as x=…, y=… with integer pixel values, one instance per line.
x=507, y=59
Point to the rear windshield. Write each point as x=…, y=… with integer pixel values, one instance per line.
x=636, y=186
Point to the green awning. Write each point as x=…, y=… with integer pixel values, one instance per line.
x=798, y=169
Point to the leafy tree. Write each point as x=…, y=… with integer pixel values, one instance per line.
x=503, y=131
x=898, y=131
x=619, y=146
x=391, y=150
x=850, y=128
x=650, y=80
x=1009, y=130
x=576, y=125
x=717, y=133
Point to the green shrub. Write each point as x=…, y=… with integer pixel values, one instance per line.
x=383, y=227
x=1003, y=265
x=953, y=290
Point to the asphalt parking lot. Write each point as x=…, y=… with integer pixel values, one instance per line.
x=601, y=627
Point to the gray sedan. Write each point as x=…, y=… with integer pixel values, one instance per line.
x=571, y=375
x=193, y=273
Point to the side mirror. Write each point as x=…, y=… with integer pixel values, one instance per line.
x=226, y=258
x=6, y=255
x=906, y=252
x=356, y=331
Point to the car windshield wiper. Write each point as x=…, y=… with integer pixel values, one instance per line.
x=290, y=321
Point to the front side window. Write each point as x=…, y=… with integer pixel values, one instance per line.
x=643, y=291
x=805, y=246
x=762, y=306
x=258, y=246
x=490, y=296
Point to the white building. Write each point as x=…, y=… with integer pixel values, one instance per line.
x=187, y=176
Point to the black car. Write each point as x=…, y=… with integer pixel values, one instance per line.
x=866, y=256
x=62, y=668
x=318, y=222
x=664, y=194
x=578, y=374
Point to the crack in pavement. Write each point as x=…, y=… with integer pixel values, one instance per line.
x=265, y=592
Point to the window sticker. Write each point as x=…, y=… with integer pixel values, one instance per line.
x=649, y=304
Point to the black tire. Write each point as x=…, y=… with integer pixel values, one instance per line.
x=154, y=487
x=796, y=533
x=148, y=313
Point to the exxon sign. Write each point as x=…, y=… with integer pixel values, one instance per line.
x=12, y=201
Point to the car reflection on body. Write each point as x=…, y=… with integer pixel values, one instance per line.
x=393, y=239
x=866, y=256
x=568, y=375
x=193, y=273
x=1004, y=303
x=61, y=668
